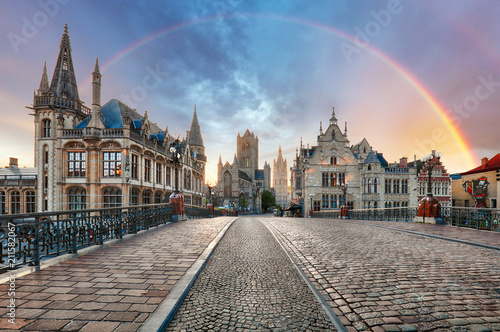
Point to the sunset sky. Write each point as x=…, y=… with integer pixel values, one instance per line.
x=409, y=76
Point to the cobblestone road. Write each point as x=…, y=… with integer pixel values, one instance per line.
x=250, y=284
x=384, y=280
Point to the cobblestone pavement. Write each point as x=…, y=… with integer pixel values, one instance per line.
x=112, y=289
x=250, y=284
x=378, y=279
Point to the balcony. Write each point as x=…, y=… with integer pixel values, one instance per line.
x=78, y=106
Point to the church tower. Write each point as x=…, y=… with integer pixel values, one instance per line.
x=280, y=179
x=56, y=107
x=247, y=147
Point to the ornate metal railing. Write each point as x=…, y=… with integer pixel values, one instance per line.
x=27, y=239
x=486, y=219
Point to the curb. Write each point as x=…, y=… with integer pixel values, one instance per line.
x=163, y=315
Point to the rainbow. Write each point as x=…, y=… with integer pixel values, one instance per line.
x=433, y=102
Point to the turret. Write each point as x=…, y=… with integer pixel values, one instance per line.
x=44, y=82
x=95, y=121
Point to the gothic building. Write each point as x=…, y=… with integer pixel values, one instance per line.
x=241, y=183
x=332, y=173
x=280, y=180
x=107, y=155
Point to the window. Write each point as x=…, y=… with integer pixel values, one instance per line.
x=112, y=197
x=30, y=202
x=159, y=168
x=112, y=164
x=147, y=170
x=45, y=182
x=135, y=166
x=298, y=183
x=333, y=160
x=324, y=201
x=2, y=203
x=15, y=202
x=168, y=176
x=387, y=186
x=404, y=186
x=45, y=155
x=324, y=179
x=158, y=197
x=341, y=179
x=146, y=197
x=77, y=199
x=46, y=128
x=396, y=186
x=333, y=201
x=333, y=179
x=134, y=197
x=76, y=164
x=317, y=205
x=341, y=200
x=375, y=187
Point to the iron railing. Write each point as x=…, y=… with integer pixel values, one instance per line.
x=483, y=218
x=27, y=239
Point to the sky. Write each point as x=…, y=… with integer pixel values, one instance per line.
x=409, y=76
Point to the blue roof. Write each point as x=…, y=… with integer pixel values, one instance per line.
x=259, y=174
x=83, y=124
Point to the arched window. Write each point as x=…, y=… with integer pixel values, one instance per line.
x=30, y=201
x=134, y=197
x=112, y=197
x=15, y=202
x=227, y=184
x=158, y=196
x=77, y=199
x=146, y=197
x=46, y=128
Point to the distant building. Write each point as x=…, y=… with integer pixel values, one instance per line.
x=105, y=156
x=332, y=173
x=478, y=187
x=241, y=183
x=440, y=182
x=280, y=180
x=18, y=187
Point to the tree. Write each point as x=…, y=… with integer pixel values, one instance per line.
x=243, y=202
x=268, y=200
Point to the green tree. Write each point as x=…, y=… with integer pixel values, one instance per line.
x=243, y=203
x=268, y=200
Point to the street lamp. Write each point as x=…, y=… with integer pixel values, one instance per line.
x=175, y=148
x=428, y=164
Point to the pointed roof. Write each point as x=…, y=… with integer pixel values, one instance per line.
x=247, y=133
x=280, y=154
x=371, y=158
x=96, y=67
x=63, y=83
x=44, y=82
x=220, y=159
x=333, y=119
x=195, y=137
x=235, y=161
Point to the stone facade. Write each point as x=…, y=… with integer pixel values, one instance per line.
x=18, y=187
x=332, y=173
x=241, y=183
x=280, y=180
x=107, y=155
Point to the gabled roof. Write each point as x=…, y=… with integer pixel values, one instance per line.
x=371, y=158
x=490, y=165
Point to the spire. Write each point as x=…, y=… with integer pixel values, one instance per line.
x=63, y=83
x=95, y=120
x=345, y=131
x=220, y=159
x=280, y=154
x=195, y=137
x=235, y=161
x=321, y=127
x=333, y=119
x=44, y=82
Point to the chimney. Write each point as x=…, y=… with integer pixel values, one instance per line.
x=12, y=162
x=403, y=162
x=484, y=162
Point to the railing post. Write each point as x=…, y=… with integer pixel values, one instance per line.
x=74, y=235
x=58, y=234
x=37, y=241
x=101, y=228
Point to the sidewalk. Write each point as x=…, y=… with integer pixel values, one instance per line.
x=115, y=288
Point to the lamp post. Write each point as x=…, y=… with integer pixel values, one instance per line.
x=428, y=163
x=311, y=209
x=210, y=206
x=176, y=198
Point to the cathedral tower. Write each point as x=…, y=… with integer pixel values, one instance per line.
x=247, y=147
x=280, y=179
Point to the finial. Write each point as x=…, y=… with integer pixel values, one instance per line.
x=345, y=131
x=96, y=67
x=66, y=28
x=195, y=108
x=321, y=127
